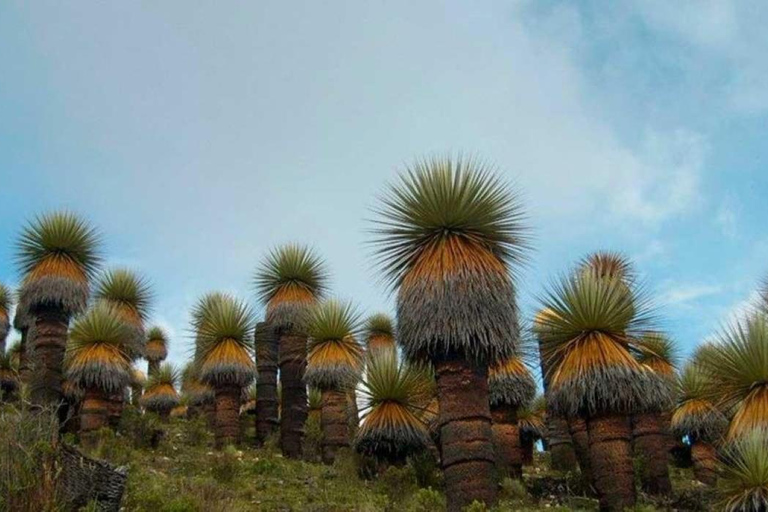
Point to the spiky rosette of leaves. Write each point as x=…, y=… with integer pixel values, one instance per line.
x=738, y=367
x=160, y=394
x=379, y=332
x=586, y=338
x=695, y=414
x=9, y=376
x=395, y=398
x=611, y=265
x=156, y=348
x=224, y=343
x=202, y=305
x=744, y=473
x=130, y=295
x=658, y=352
x=510, y=382
x=57, y=254
x=95, y=356
x=532, y=417
x=197, y=392
x=289, y=282
x=448, y=238
x=335, y=358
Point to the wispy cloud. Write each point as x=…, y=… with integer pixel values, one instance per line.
x=726, y=219
x=684, y=294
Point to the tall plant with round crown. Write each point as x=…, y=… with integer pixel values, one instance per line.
x=448, y=237
x=289, y=283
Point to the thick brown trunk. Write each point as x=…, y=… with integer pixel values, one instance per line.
x=227, y=415
x=293, y=364
x=209, y=408
x=650, y=444
x=266, y=385
x=335, y=424
x=93, y=415
x=466, y=436
x=506, y=441
x=526, y=447
x=353, y=415
x=115, y=408
x=704, y=458
x=577, y=427
x=48, y=344
x=24, y=369
x=610, y=451
x=561, y=451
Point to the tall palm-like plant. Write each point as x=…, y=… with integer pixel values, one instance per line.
x=58, y=254
x=650, y=430
x=379, y=334
x=738, y=366
x=267, y=419
x=289, y=282
x=448, y=236
x=6, y=301
x=130, y=296
x=745, y=473
x=224, y=359
x=587, y=342
x=396, y=397
x=334, y=365
x=161, y=395
x=697, y=418
x=156, y=349
x=511, y=387
x=95, y=362
x=531, y=419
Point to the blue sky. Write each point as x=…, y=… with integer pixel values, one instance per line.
x=198, y=135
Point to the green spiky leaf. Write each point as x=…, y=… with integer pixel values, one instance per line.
x=124, y=288
x=291, y=265
x=59, y=234
x=744, y=473
x=443, y=197
x=95, y=355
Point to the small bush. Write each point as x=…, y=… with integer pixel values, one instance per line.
x=225, y=465
x=425, y=469
x=398, y=483
x=426, y=500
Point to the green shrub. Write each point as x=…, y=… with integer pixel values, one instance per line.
x=426, y=500
x=225, y=465
x=398, y=483
x=425, y=469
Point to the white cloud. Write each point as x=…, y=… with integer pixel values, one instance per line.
x=683, y=294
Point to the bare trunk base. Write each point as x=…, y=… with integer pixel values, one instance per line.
x=611, y=461
x=562, y=455
x=267, y=420
x=48, y=344
x=650, y=444
x=577, y=427
x=227, y=415
x=466, y=436
x=704, y=458
x=506, y=441
x=335, y=424
x=115, y=409
x=93, y=416
x=293, y=364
